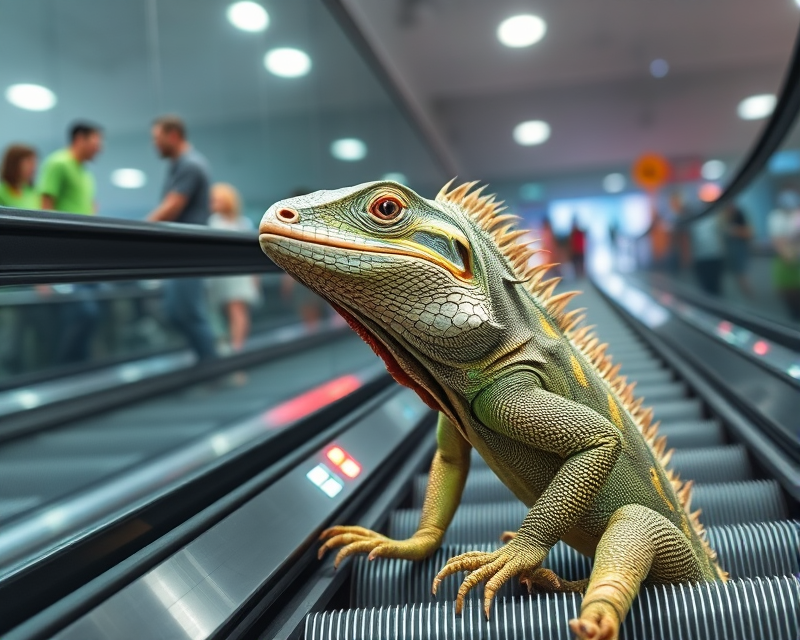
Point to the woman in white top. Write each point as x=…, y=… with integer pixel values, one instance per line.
x=235, y=293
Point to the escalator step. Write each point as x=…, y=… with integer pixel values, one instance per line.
x=675, y=410
x=663, y=391
x=763, y=608
x=745, y=551
x=713, y=464
x=720, y=504
x=693, y=434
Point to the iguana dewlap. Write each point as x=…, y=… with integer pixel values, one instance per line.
x=443, y=293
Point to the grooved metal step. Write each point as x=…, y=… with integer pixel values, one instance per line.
x=738, y=610
x=744, y=551
x=720, y=504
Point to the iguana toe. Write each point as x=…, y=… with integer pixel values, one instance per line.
x=545, y=580
x=595, y=624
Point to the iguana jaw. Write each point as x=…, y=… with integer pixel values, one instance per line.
x=272, y=230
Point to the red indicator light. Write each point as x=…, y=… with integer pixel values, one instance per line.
x=725, y=326
x=761, y=348
x=350, y=468
x=311, y=401
x=336, y=456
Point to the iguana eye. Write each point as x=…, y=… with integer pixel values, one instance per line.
x=386, y=208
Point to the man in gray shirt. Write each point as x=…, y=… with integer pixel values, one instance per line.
x=186, y=200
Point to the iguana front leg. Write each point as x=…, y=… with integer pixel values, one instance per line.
x=517, y=407
x=445, y=484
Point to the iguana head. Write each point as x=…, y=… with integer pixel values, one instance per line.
x=425, y=279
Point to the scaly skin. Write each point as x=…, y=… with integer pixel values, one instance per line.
x=449, y=304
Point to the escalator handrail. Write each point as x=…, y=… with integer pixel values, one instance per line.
x=776, y=130
x=45, y=247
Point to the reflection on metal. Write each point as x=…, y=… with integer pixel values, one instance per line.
x=203, y=586
x=635, y=301
x=311, y=401
x=71, y=516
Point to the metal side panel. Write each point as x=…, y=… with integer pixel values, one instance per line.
x=195, y=592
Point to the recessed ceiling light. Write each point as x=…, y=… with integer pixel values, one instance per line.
x=713, y=169
x=521, y=31
x=531, y=132
x=349, y=149
x=757, y=107
x=128, y=178
x=32, y=97
x=248, y=16
x=659, y=68
x=395, y=176
x=614, y=182
x=287, y=62
x=709, y=191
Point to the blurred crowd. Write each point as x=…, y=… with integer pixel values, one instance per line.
x=64, y=183
x=722, y=242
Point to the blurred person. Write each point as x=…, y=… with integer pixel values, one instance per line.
x=708, y=253
x=678, y=256
x=68, y=186
x=577, y=248
x=17, y=170
x=65, y=183
x=738, y=233
x=783, y=225
x=185, y=200
x=235, y=293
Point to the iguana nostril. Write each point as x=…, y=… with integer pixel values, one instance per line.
x=290, y=216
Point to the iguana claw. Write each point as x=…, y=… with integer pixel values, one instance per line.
x=360, y=540
x=495, y=568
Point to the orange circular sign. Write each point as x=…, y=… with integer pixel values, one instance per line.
x=651, y=171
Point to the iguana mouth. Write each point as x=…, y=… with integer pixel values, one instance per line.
x=271, y=230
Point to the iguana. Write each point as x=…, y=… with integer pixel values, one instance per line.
x=442, y=291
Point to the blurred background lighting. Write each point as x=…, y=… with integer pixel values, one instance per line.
x=521, y=31
x=659, y=68
x=531, y=132
x=33, y=97
x=531, y=191
x=709, y=192
x=287, y=62
x=248, y=16
x=614, y=182
x=128, y=178
x=395, y=176
x=349, y=149
x=757, y=107
x=713, y=169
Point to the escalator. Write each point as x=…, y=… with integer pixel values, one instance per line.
x=746, y=512
x=47, y=466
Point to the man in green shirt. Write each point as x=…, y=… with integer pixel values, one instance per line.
x=65, y=183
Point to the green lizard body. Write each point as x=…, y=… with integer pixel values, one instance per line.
x=444, y=294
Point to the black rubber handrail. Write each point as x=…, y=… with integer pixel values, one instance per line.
x=778, y=127
x=43, y=247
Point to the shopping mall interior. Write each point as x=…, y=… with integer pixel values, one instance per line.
x=199, y=375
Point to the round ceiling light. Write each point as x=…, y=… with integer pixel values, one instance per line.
x=713, y=169
x=659, y=68
x=128, y=178
x=521, y=31
x=531, y=132
x=287, y=62
x=32, y=97
x=349, y=149
x=614, y=183
x=757, y=107
x=248, y=16
x=395, y=176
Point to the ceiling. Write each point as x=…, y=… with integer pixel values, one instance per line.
x=588, y=77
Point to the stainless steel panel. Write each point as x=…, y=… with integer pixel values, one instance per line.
x=198, y=589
